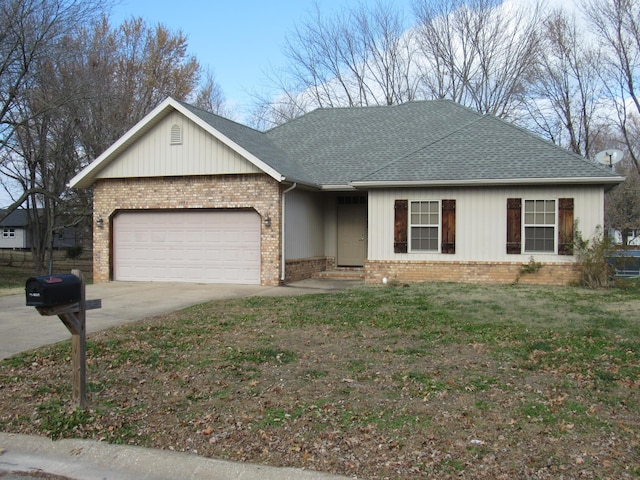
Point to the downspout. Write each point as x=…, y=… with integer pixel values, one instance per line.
x=282, y=226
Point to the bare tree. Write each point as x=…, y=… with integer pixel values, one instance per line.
x=122, y=73
x=617, y=26
x=480, y=53
x=41, y=153
x=360, y=56
x=29, y=32
x=210, y=97
x=622, y=204
x=565, y=93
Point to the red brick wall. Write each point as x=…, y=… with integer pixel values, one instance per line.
x=468, y=272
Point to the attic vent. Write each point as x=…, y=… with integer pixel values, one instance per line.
x=176, y=135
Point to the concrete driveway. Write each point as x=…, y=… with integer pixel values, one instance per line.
x=22, y=328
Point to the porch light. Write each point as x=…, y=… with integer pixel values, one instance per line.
x=267, y=221
x=100, y=222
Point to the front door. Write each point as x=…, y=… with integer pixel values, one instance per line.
x=352, y=231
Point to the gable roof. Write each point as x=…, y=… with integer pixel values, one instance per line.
x=433, y=142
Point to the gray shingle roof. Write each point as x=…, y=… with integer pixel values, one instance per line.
x=253, y=141
x=429, y=141
x=17, y=218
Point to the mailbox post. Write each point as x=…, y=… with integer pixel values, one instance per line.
x=65, y=296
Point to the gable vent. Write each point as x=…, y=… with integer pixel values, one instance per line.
x=176, y=135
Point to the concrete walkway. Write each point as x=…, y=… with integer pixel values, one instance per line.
x=22, y=328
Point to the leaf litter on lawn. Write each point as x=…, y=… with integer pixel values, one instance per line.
x=429, y=380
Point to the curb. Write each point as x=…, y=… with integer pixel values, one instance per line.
x=92, y=460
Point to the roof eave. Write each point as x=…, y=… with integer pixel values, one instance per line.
x=488, y=182
x=337, y=188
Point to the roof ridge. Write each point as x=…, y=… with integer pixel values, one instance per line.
x=193, y=108
x=428, y=144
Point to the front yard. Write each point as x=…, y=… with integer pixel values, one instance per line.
x=421, y=381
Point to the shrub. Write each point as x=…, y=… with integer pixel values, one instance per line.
x=593, y=269
x=74, y=252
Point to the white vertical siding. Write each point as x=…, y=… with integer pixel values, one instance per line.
x=304, y=224
x=481, y=225
x=19, y=239
x=153, y=155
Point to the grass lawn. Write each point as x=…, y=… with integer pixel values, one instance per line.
x=424, y=381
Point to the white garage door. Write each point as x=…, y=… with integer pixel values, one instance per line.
x=187, y=246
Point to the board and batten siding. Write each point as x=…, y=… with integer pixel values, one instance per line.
x=304, y=225
x=199, y=153
x=481, y=225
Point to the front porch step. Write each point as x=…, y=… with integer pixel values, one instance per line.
x=342, y=273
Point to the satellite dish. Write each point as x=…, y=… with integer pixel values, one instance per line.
x=609, y=157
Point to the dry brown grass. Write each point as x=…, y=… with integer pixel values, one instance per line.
x=424, y=381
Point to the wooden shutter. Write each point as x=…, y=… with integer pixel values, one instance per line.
x=514, y=225
x=565, y=226
x=448, y=226
x=401, y=226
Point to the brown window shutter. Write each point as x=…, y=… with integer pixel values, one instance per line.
x=514, y=225
x=401, y=226
x=448, y=226
x=565, y=226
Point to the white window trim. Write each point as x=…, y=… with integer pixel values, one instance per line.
x=554, y=225
x=410, y=225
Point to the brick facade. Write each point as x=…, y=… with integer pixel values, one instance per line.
x=306, y=267
x=468, y=272
x=258, y=192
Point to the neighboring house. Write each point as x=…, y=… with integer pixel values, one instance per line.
x=15, y=234
x=633, y=237
x=421, y=191
x=13, y=230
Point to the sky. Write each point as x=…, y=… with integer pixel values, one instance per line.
x=238, y=40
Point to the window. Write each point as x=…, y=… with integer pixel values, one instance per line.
x=418, y=222
x=8, y=232
x=539, y=225
x=545, y=223
x=424, y=226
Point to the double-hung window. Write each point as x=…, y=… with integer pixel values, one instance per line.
x=539, y=225
x=424, y=226
x=8, y=232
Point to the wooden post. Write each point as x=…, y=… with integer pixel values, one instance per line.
x=79, y=348
x=74, y=317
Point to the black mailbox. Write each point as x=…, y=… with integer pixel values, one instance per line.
x=53, y=290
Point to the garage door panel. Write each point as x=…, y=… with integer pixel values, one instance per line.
x=189, y=246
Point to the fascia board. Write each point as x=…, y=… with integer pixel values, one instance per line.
x=337, y=188
x=490, y=182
